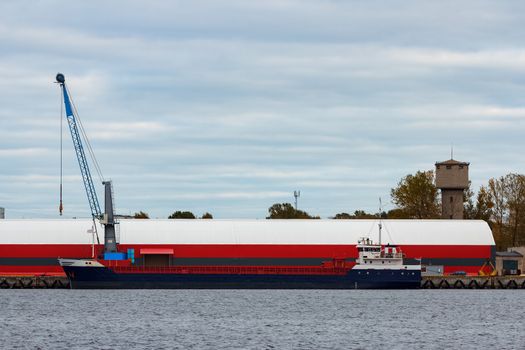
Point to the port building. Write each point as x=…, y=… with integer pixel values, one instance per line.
x=452, y=180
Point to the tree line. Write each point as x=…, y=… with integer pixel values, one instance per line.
x=501, y=203
x=179, y=214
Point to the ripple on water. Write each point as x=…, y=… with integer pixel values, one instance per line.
x=261, y=319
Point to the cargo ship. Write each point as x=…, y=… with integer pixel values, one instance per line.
x=377, y=267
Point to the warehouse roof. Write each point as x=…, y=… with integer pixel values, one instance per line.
x=415, y=232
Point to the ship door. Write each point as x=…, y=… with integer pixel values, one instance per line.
x=156, y=257
x=157, y=260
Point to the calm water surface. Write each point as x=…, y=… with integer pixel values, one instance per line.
x=239, y=319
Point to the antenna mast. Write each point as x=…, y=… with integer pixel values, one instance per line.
x=296, y=194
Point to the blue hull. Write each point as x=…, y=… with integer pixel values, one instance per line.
x=104, y=278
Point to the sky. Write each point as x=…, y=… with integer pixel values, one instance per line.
x=229, y=106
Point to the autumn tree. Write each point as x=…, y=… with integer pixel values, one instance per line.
x=496, y=194
x=141, y=215
x=287, y=211
x=417, y=196
x=514, y=186
x=207, y=216
x=507, y=196
x=182, y=215
x=502, y=204
x=397, y=213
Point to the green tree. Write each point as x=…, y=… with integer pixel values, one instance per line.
x=287, y=211
x=469, y=208
x=182, y=215
x=417, y=195
x=484, y=205
x=341, y=216
x=359, y=214
x=207, y=216
x=481, y=208
x=141, y=215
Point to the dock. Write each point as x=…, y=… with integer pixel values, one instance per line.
x=33, y=282
x=427, y=282
x=473, y=282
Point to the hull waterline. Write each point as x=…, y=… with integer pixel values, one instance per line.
x=105, y=278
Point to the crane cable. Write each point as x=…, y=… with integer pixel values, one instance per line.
x=61, y=207
x=85, y=138
x=90, y=150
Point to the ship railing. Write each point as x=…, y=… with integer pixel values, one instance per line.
x=241, y=270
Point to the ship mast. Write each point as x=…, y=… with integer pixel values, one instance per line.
x=380, y=223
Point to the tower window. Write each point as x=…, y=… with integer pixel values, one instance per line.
x=449, y=167
x=451, y=199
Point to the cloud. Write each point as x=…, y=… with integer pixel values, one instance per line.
x=23, y=152
x=507, y=59
x=127, y=130
x=221, y=195
x=228, y=107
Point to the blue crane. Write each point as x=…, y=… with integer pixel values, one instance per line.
x=107, y=217
x=96, y=213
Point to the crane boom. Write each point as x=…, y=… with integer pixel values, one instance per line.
x=106, y=218
x=94, y=205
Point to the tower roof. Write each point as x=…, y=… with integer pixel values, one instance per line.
x=452, y=162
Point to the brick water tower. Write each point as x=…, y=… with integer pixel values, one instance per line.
x=452, y=180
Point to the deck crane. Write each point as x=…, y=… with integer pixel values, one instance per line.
x=106, y=218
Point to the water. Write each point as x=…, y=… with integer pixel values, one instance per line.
x=240, y=319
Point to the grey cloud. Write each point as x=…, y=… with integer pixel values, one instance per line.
x=229, y=107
